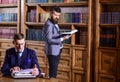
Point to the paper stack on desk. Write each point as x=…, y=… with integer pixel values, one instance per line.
x=26, y=73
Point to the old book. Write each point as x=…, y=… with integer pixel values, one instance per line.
x=67, y=33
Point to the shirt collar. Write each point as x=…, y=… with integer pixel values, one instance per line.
x=21, y=51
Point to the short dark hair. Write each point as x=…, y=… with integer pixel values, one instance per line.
x=18, y=36
x=55, y=8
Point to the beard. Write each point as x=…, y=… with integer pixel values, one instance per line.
x=54, y=20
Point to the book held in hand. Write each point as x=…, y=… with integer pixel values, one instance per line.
x=67, y=33
x=26, y=73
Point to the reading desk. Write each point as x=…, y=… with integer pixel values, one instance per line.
x=10, y=79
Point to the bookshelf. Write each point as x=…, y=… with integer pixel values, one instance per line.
x=107, y=41
x=75, y=15
x=9, y=24
x=9, y=18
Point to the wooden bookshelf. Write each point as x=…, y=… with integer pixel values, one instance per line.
x=79, y=45
x=39, y=8
x=106, y=56
x=84, y=59
x=9, y=17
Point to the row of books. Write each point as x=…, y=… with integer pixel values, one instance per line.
x=110, y=18
x=74, y=9
x=83, y=37
x=6, y=17
x=44, y=17
x=37, y=1
x=74, y=18
x=31, y=15
x=34, y=34
x=54, y=1
x=8, y=1
x=108, y=37
x=68, y=17
x=7, y=32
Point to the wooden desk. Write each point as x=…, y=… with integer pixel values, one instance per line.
x=9, y=79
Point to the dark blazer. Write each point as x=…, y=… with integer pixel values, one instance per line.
x=29, y=59
x=52, y=44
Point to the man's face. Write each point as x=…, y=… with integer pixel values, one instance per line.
x=19, y=44
x=55, y=16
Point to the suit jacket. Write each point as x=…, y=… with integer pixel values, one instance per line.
x=29, y=59
x=50, y=32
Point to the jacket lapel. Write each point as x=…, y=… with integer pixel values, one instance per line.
x=24, y=54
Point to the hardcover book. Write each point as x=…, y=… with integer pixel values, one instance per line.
x=67, y=33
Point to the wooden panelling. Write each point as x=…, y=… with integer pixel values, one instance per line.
x=66, y=51
x=62, y=80
x=2, y=55
x=78, y=76
x=65, y=62
x=118, y=78
x=64, y=74
x=43, y=70
x=6, y=45
x=79, y=58
x=42, y=60
x=118, y=63
x=106, y=78
x=38, y=48
x=107, y=61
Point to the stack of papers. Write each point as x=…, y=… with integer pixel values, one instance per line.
x=26, y=73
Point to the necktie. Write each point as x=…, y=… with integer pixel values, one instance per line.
x=19, y=58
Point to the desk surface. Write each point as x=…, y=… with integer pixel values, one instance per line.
x=9, y=79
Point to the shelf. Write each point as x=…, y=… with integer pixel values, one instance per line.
x=109, y=2
x=82, y=3
x=109, y=25
x=34, y=24
x=80, y=46
x=8, y=23
x=112, y=48
x=61, y=24
x=8, y=5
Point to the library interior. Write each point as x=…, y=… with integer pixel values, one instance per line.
x=89, y=55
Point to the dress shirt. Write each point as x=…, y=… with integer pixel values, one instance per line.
x=20, y=54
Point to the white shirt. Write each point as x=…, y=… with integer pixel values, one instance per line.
x=20, y=52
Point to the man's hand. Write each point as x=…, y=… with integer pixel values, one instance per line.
x=66, y=37
x=16, y=68
x=35, y=70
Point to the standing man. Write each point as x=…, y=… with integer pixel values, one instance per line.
x=53, y=44
x=25, y=59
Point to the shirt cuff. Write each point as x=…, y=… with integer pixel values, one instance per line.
x=61, y=39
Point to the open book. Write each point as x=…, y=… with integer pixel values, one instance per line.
x=67, y=33
x=26, y=73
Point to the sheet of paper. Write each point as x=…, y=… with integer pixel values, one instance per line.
x=71, y=32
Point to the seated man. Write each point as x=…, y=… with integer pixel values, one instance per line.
x=25, y=59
